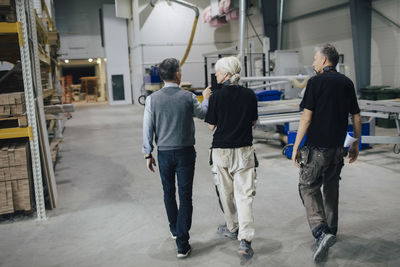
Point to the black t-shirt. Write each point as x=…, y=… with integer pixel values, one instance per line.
x=331, y=97
x=232, y=109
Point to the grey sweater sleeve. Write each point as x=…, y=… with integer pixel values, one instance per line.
x=199, y=109
x=148, y=128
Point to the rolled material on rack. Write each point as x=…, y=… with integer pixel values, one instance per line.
x=274, y=78
x=54, y=109
x=299, y=84
x=268, y=85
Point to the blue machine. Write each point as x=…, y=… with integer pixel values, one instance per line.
x=269, y=95
x=151, y=76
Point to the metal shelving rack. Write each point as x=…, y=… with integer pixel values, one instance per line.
x=24, y=37
x=23, y=8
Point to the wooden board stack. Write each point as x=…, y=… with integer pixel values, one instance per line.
x=15, y=178
x=12, y=104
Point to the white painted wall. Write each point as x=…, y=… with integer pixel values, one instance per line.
x=123, y=8
x=164, y=32
x=79, y=25
x=385, y=47
x=335, y=27
x=116, y=51
x=102, y=82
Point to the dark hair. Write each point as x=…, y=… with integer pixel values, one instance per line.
x=168, y=69
x=330, y=52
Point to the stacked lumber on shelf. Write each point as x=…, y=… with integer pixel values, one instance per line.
x=55, y=109
x=66, y=82
x=15, y=178
x=12, y=104
x=54, y=39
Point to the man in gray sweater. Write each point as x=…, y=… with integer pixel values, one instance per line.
x=168, y=116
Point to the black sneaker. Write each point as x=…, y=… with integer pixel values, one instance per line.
x=245, y=248
x=185, y=253
x=224, y=231
x=322, y=245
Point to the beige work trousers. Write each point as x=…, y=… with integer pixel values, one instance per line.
x=234, y=175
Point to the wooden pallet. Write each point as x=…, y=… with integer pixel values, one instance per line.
x=15, y=196
x=12, y=104
x=15, y=178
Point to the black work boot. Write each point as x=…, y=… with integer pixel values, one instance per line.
x=245, y=248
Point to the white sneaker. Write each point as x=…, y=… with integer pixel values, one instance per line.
x=173, y=236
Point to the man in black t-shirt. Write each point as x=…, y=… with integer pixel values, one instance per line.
x=329, y=99
x=232, y=112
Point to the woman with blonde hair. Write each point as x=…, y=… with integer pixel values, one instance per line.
x=232, y=112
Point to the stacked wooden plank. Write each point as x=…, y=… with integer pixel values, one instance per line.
x=54, y=39
x=15, y=178
x=12, y=104
x=66, y=85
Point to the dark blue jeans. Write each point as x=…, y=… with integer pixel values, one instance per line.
x=180, y=162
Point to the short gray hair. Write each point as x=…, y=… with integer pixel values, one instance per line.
x=168, y=69
x=329, y=51
x=230, y=66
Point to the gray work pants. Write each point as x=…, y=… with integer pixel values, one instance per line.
x=321, y=167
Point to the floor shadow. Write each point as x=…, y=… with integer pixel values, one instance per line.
x=262, y=247
x=374, y=250
x=204, y=248
x=166, y=250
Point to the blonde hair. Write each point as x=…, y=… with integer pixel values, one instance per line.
x=230, y=66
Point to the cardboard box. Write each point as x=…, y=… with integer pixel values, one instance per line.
x=15, y=178
x=6, y=198
x=12, y=104
x=21, y=194
x=14, y=155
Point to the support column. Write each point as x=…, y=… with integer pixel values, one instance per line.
x=270, y=17
x=360, y=11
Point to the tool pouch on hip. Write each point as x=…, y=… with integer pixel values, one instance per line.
x=304, y=155
x=210, y=161
x=255, y=161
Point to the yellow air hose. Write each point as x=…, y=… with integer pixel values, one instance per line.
x=190, y=41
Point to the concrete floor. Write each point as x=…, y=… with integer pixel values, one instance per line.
x=110, y=208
